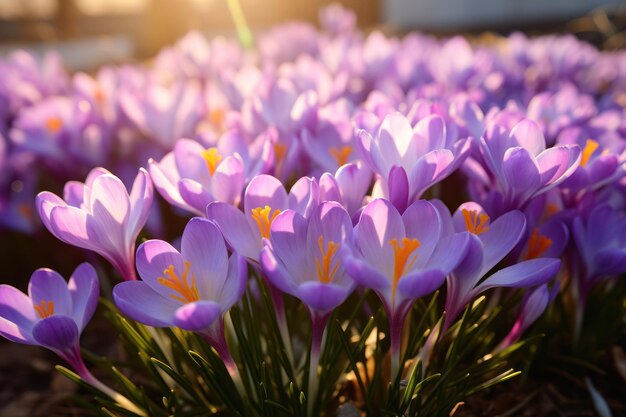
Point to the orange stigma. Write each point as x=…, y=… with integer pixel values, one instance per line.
x=341, y=155
x=216, y=117
x=264, y=217
x=402, y=262
x=212, y=158
x=54, y=124
x=45, y=309
x=280, y=151
x=188, y=291
x=324, y=272
x=474, y=222
x=590, y=147
x=26, y=211
x=98, y=95
x=537, y=245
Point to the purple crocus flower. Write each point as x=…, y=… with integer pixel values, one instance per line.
x=601, y=243
x=411, y=159
x=564, y=108
x=53, y=315
x=331, y=143
x=516, y=166
x=191, y=289
x=100, y=215
x=27, y=79
x=535, y=302
x=490, y=243
x=348, y=186
x=190, y=177
x=301, y=258
x=402, y=258
x=337, y=20
x=264, y=199
x=165, y=114
x=601, y=162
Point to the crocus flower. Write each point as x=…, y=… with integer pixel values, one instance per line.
x=516, y=166
x=411, y=159
x=490, y=243
x=26, y=80
x=264, y=199
x=191, y=289
x=165, y=114
x=402, y=258
x=535, y=302
x=601, y=162
x=301, y=258
x=601, y=243
x=348, y=186
x=567, y=107
x=100, y=215
x=190, y=177
x=53, y=315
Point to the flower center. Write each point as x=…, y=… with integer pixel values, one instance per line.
x=54, y=124
x=341, y=155
x=216, y=117
x=403, y=259
x=279, y=151
x=212, y=158
x=188, y=291
x=474, y=222
x=590, y=147
x=325, y=269
x=537, y=244
x=264, y=217
x=26, y=211
x=98, y=95
x=45, y=309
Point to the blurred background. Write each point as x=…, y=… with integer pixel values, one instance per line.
x=89, y=33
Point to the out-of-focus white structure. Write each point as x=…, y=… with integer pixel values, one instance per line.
x=444, y=14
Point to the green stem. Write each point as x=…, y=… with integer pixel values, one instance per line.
x=243, y=30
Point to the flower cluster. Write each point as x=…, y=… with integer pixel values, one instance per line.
x=414, y=165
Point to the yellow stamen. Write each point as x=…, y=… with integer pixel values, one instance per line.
x=324, y=272
x=188, y=291
x=212, y=158
x=45, y=309
x=403, y=260
x=264, y=217
x=537, y=244
x=54, y=124
x=590, y=147
x=474, y=222
x=341, y=155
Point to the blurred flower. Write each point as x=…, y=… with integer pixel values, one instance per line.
x=601, y=245
x=165, y=114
